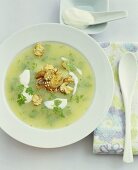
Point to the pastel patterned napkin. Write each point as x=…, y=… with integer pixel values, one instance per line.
x=109, y=136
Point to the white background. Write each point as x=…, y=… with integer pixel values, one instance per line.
x=15, y=14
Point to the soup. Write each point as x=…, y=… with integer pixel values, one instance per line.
x=49, y=85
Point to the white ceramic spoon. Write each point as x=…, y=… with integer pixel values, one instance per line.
x=127, y=76
x=102, y=17
x=82, y=19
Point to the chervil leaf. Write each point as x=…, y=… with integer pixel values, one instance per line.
x=78, y=98
x=30, y=91
x=58, y=111
x=57, y=102
x=71, y=66
x=20, y=87
x=21, y=99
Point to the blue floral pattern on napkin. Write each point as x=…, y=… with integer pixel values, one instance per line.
x=109, y=136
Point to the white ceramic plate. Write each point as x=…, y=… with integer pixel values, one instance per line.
x=103, y=94
x=90, y=5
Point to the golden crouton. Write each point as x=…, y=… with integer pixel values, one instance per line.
x=36, y=99
x=39, y=50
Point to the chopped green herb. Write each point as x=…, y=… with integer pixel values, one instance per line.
x=21, y=99
x=85, y=83
x=33, y=113
x=58, y=111
x=72, y=58
x=52, y=95
x=81, y=96
x=30, y=65
x=34, y=65
x=70, y=54
x=78, y=98
x=68, y=111
x=70, y=66
x=20, y=88
x=51, y=119
x=23, y=66
x=30, y=91
x=57, y=102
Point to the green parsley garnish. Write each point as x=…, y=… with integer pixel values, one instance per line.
x=20, y=87
x=70, y=66
x=78, y=98
x=57, y=102
x=30, y=65
x=21, y=99
x=30, y=91
x=34, y=65
x=58, y=111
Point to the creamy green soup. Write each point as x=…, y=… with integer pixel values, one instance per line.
x=37, y=114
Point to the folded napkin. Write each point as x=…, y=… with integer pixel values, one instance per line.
x=109, y=136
